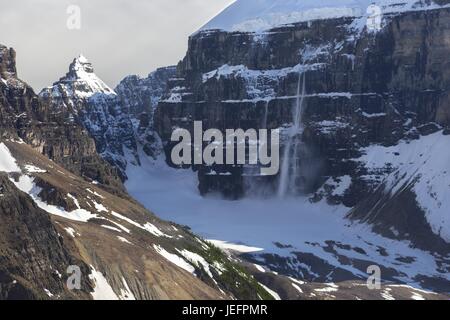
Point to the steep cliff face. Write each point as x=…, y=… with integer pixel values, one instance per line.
x=19, y=104
x=141, y=96
x=83, y=98
x=350, y=90
x=57, y=217
x=120, y=121
x=25, y=116
x=33, y=254
x=7, y=63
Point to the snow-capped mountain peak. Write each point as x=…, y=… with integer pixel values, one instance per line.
x=82, y=59
x=81, y=65
x=81, y=72
x=80, y=82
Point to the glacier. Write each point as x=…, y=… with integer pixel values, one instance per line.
x=260, y=15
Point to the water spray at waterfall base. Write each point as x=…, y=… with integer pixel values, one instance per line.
x=289, y=171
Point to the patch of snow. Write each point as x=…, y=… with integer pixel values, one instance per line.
x=102, y=289
x=148, y=226
x=7, y=161
x=234, y=247
x=412, y=288
x=111, y=228
x=220, y=268
x=342, y=186
x=331, y=288
x=48, y=293
x=70, y=231
x=75, y=200
x=330, y=127
x=155, y=231
x=394, y=231
x=120, y=226
x=82, y=59
x=374, y=115
x=121, y=217
x=197, y=260
x=417, y=296
x=32, y=169
x=17, y=140
x=271, y=292
x=174, y=98
x=297, y=281
x=259, y=268
x=126, y=293
x=422, y=164
x=26, y=184
x=95, y=193
x=260, y=83
x=123, y=239
x=386, y=294
x=175, y=259
x=296, y=287
x=202, y=243
x=100, y=207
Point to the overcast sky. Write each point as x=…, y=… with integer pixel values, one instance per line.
x=120, y=37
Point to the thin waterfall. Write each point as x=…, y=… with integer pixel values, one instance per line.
x=290, y=166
